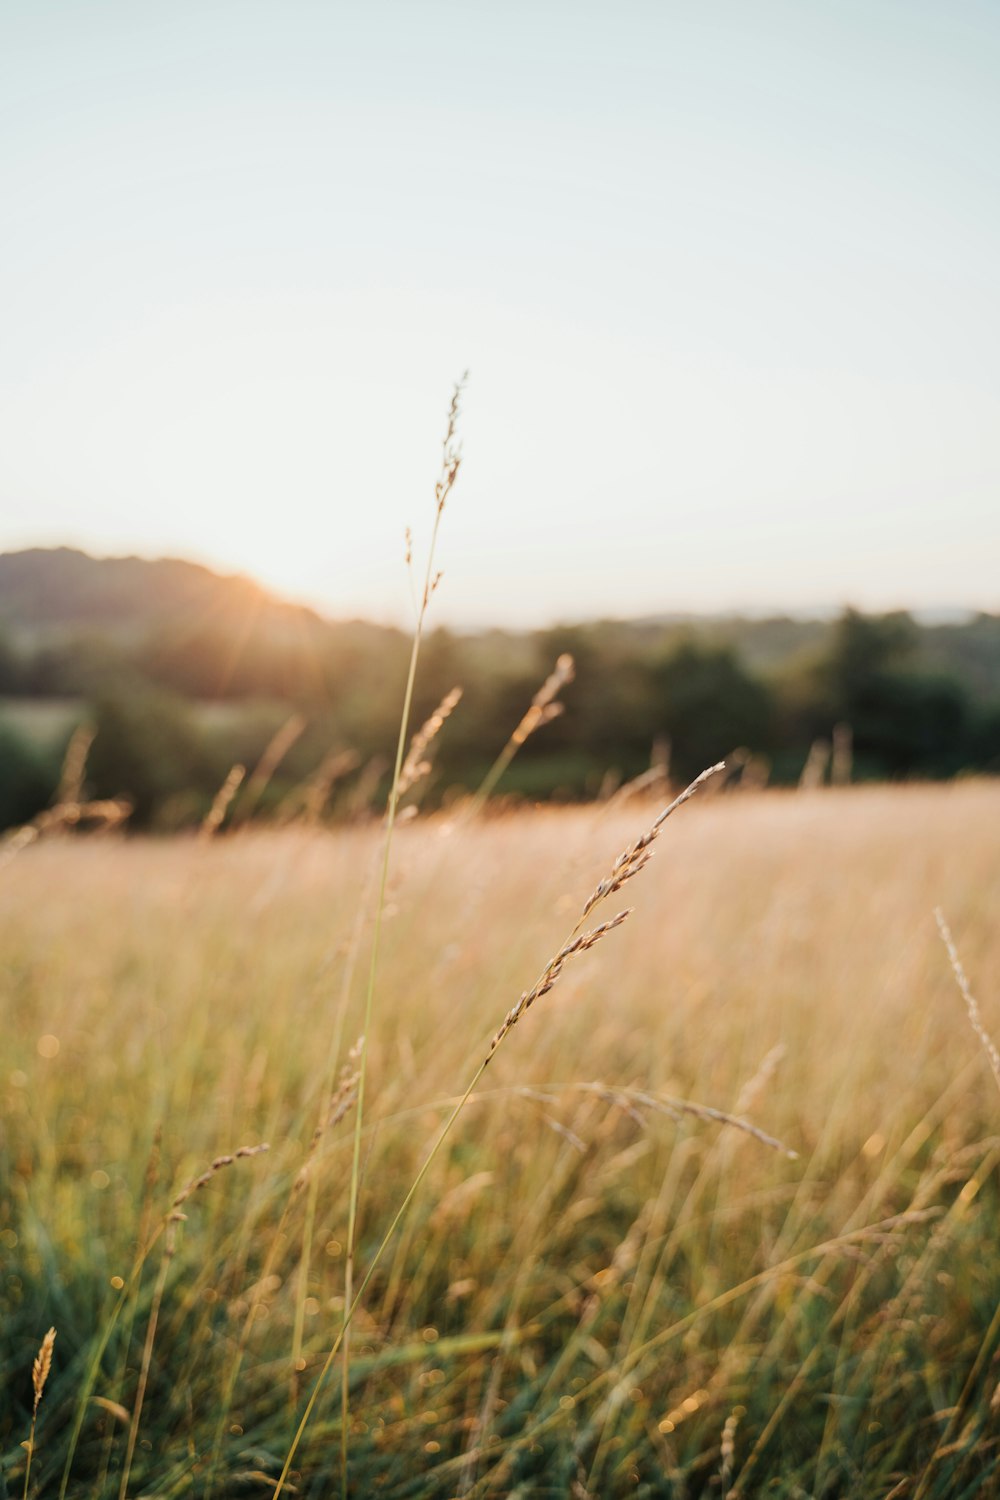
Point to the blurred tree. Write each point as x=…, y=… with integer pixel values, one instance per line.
x=708, y=704
x=912, y=723
x=610, y=705
x=984, y=737
x=28, y=778
x=865, y=647
x=904, y=721
x=148, y=749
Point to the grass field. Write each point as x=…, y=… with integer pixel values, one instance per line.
x=595, y=1293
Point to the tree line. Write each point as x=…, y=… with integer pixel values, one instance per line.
x=175, y=708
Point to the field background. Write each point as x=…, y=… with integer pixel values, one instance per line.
x=591, y=1295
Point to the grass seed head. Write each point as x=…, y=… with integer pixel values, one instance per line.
x=971, y=1004
x=416, y=765
x=41, y=1367
x=221, y=801
x=220, y=1161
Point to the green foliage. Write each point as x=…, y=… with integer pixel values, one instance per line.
x=147, y=748
x=709, y=704
x=27, y=778
x=197, y=671
x=905, y=719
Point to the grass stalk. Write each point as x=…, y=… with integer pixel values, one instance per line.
x=39, y=1375
x=351, y=1308
x=542, y=709
x=631, y=1368
x=971, y=1004
x=169, y=1247
x=173, y=1217
x=450, y=463
x=94, y=1366
x=628, y=864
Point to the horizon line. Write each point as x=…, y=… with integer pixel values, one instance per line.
x=823, y=611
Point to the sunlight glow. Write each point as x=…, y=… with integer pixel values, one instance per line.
x=725, y=289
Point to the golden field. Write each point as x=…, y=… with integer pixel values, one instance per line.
x=595, y=1292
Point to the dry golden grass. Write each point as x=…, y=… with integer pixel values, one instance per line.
x=543, y=708
x=416, y=765
x=592, y=1284
x=221, y=802
x=40, y=1371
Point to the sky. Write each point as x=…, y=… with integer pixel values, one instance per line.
x=723, y=275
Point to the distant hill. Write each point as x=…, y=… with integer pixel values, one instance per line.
x=60, y=586
x=206, y=634
x=70, y=622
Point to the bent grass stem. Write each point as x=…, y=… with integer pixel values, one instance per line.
x=628, y=863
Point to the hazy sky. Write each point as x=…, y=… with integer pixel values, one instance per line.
x=724, y=273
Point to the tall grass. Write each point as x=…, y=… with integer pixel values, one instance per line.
x=633, y=859
x=719, y=1218
x=594, y=1283
x=444, y=485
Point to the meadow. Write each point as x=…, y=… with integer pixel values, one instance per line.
x=597, y=1290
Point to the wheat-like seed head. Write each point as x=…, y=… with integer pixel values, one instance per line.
x=416, y=765
x=217, y=1166
x=343, y=1098
x=971, y=1004
x=41, y=1367
x=221, y=801
x=451, y=454
x=543, y=707
x=557, y=679
x=629, y=863
x=551, y=973
x=632, y=859
x=74, y=764
x=727, y=1448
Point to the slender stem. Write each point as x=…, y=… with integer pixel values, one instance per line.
x=31, y=1452
x=351, y=1302
x=333, y=1057
x=449, y=470
x=98, y=1355
x=376, y=1258
x=493, y=775
x=958, y=1411
x=622, y=1371
x=147, y=1355
x=236, y=1363
x=543, y=706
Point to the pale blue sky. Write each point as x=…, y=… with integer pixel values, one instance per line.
x=724, y=273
